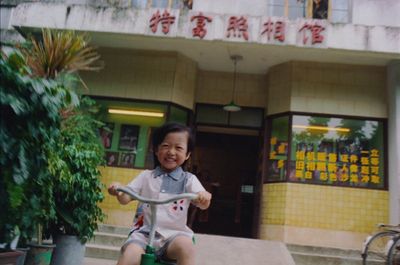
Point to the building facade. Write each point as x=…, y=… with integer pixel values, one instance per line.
x=311, y=158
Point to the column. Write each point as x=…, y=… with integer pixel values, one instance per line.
x=393, y=89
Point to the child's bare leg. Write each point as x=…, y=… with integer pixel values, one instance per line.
x=182, y=249
x=131, y=255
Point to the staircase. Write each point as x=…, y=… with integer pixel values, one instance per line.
x=221, y=250
x=309, y=255
x=211, y=249
x=107, y=242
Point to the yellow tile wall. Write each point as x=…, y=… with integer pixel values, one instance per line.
x=324, y=207
x=274, y=204
x=117, y=214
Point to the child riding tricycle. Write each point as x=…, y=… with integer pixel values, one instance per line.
x=164, y=236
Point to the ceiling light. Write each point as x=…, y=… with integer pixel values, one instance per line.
x=232, y=106
x=136, y=112
x=322, y=128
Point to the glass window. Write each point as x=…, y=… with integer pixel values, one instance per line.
x=250, y=117
x=344, y=152
x=139, y=3
x=328, y=151
x=320, y=9
x=126, y=138
x=247, y=118
x=211, y=114
x=296, y=9
x=159, y=3
x=278, y=148
x=178, y=115
x=337, y=10
x=276, y=8
x=340, y=11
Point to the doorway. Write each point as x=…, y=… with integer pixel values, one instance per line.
x=226, y=164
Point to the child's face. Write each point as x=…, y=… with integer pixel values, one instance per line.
x=172, y=152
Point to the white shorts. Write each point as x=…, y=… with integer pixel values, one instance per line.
x=160, y=243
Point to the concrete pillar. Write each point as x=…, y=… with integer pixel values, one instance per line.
x=393, y=83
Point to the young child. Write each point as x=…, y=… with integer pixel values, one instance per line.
x=173, y=144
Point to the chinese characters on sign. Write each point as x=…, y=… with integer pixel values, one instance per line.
x=238, y=27
x=278, y=154
x=316, y=149
x=200, y=29
x=344, y=168
x=275, y=30
x=314, y=30
x=165, y=19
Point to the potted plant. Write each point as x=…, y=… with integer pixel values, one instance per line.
x=77, y=189
x=34, y=182
x=30, y=122
x=8, y=252
x=74, y=157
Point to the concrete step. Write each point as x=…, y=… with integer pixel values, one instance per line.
x=311, y=255
x=211, y=249
x=107, y=242
x=102, y=252
x=112, y=229
x=108, y=239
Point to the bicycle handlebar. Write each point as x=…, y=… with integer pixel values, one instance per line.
x=153, y=206
x=138, y=197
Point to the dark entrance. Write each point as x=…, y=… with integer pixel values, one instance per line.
x=226, y=164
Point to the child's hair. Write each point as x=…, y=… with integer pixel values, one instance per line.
x=161, y=132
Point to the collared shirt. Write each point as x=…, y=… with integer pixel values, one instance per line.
x=157, y=184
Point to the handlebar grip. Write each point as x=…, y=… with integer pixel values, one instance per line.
x=138, y=197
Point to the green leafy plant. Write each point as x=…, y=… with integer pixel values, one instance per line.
x=74, y=164
x=49, y=146
x=30, y=123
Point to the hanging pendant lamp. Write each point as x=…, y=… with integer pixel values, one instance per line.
x=232, y=106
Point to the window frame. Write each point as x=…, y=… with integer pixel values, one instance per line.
x=290, y=114
x=228, y=123
x=308, y=9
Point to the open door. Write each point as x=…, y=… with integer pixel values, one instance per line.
x=226, y=164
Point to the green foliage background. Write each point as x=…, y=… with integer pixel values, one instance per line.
x=30, y=124
x=49, y=144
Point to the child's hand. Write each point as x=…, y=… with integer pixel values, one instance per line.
x=112, y=189
x=122, y=197
x=203, y=200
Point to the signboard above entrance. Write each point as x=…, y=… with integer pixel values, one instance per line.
x=238, y=28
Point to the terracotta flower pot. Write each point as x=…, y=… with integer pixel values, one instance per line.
x=10, y=257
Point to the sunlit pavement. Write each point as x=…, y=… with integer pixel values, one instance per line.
x=93, y=261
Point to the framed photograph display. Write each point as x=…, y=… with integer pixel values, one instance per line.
x=127, y=160
x=112, y=159
x=128, y=137
x=106, y=134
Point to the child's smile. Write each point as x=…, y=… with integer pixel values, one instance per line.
x=172, y=152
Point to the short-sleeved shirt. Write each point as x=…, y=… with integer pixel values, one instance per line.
x=157, y=184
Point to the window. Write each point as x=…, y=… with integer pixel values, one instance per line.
x=335, y=10
x=176, y=4
x=278, y=148
x=248, y=117
x=340, y=11
x=127, y=138
x=327, y=151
